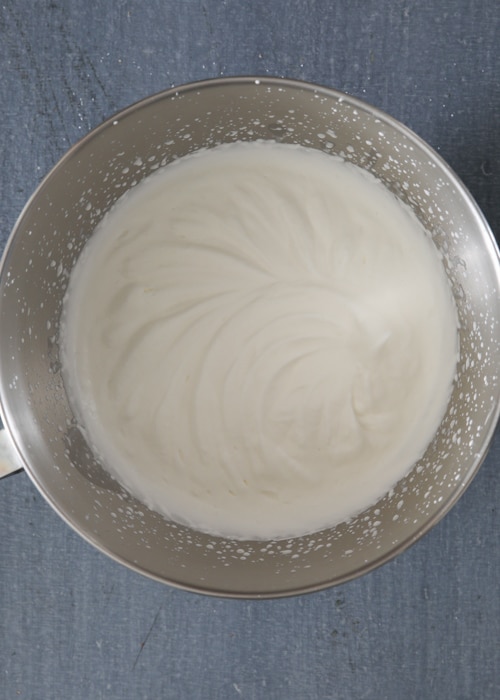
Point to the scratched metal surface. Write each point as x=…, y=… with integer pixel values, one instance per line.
x=75, y=625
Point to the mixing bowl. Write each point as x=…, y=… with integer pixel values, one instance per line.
x=62, y=215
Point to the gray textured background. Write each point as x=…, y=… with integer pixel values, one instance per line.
x=76, y=626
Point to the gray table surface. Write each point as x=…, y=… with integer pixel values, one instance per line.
x=75, y=625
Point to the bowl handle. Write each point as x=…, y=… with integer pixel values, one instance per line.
x=9, y=459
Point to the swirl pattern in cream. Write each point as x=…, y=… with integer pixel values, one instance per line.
x=259, y=340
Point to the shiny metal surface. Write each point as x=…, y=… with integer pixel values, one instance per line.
x=61, y=216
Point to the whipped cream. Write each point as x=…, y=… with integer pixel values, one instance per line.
x=259, y=340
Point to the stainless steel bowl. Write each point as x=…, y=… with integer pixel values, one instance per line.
x=62, y=215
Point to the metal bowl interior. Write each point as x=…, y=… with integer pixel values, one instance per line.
x=62, y=215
